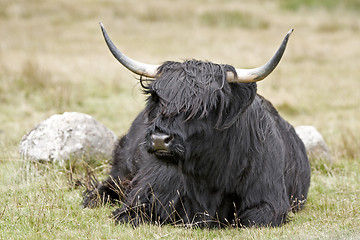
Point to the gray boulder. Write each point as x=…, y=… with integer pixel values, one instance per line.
x=314, y=143
x=67, y=136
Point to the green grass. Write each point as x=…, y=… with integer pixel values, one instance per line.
x=352, y=5
x=53, y=59
x=45, y=204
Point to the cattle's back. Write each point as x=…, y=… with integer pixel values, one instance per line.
x=297, y=166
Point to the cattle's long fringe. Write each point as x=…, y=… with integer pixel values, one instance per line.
x=194, y=87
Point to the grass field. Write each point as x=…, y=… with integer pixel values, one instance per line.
x=53, y=59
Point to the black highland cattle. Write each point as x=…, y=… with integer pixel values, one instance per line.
x=206, y=151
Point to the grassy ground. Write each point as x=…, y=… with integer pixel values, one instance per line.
x=53, y=59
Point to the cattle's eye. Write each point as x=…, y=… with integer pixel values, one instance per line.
x=152, y=105
x=154, y=97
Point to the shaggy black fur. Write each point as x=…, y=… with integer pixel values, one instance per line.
x=232, y=160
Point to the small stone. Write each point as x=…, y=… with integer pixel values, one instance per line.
x=315, y=144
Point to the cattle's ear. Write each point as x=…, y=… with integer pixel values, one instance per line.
x=242, y=95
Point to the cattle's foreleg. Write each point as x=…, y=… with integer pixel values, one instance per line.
x=109, y=191
x=264, y=214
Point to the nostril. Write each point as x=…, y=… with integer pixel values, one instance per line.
x=161, y=141
x=168, y=139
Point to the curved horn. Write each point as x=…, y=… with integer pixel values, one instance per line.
x=139, y=68
x=257, y=74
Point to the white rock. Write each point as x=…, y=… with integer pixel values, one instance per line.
x=314, y=143
x=65, y=136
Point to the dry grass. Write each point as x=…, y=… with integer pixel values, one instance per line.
x=53, y=59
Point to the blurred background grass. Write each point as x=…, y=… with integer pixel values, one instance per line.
x=53, y=59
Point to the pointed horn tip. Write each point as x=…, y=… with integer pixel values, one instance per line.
x=252, y=77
